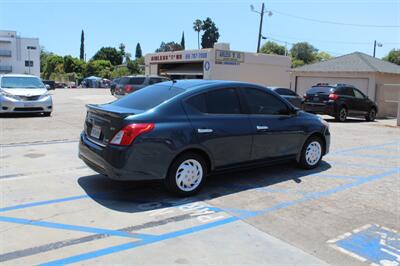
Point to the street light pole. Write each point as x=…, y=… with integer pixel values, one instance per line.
x=263, y=11
x=260, y=29
x=375, y=45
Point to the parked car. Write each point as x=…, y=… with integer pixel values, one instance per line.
x=24, y=94
x=114, y=83
x=339, y=101
x=289, y=95
x=130, y=84
x=51, y=83
x=180, y=131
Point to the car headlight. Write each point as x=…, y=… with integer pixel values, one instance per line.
x=9, y=95
x=44, y=95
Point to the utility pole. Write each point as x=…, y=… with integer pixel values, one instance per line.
x=376, y=44
x=261, y=22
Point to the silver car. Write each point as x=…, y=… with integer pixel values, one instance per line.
x=24, y=94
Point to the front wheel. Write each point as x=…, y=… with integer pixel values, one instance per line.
x=311, y=154
x=47, y=114
x=186, y=175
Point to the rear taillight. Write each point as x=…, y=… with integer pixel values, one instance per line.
x=333, y=96
x=127, y=135
x=128, y=88
x=305, y=96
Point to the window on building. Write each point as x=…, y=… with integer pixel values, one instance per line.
x=28, y=63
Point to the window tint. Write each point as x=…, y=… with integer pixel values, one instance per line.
x=315, y=90
x=358, y=94
x=136, y=81
x=261, y=102
x=155, y=80
x=148, y=97
x=223, y=101
x=346, y=91
x=282, y=91
x=198, y=103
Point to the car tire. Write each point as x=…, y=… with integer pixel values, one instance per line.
x=371, y=115
x=47, y=114
x=311, y=153
x=341, y=116
x=186, y=175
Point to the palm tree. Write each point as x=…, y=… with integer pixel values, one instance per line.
x=197, y=26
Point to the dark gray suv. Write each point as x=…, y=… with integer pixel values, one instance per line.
x=180, y=131
x=129, y=84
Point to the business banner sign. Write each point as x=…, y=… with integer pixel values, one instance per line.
x=228, y=57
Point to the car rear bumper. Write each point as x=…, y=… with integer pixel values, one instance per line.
x=118, y=163
x=9, y=105
x=327, y=109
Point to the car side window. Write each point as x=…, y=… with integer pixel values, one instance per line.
x=358, y=94
x=263, y=103
x=198, y=102
x=347, y=91
x=287, y=92
x=223, y=101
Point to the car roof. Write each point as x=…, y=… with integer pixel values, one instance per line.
x=192, y=84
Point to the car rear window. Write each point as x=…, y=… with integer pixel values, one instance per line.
x=282, y=91
x=148, y=97
x=21, y=82
x=133, y=81
x=315, y=90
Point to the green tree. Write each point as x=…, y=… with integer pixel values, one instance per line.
x=138, y=52
x=271, y=47
x=82, y=50
x=43, y=59
x=393, y=56
x=169, y=47
x=297, y=63
x=98, y=68
x=304, y=51
x=323, y=56
x=197, y=26
x=210, y=35
x=110, y=54
x=119, y=72
x=54, y=64
x=133, y=67
x=183, y=41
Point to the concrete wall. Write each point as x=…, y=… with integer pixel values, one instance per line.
x=387, y=90
x=268, y=70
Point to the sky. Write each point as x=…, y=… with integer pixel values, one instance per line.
x=58, y=24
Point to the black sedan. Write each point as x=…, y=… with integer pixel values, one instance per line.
x=180, y=131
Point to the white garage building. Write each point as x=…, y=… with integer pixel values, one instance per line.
x=378, y=79
x=221, y=63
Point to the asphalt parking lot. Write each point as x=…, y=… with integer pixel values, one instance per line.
x=54, y=210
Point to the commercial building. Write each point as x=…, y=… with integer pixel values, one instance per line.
x=378, y=79
x=222, y=64
x=19, y=55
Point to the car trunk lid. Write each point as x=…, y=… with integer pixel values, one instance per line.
x=104, y=121
x=318, y=94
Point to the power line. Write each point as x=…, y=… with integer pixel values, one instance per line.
x=336, y=23
x=333, y=41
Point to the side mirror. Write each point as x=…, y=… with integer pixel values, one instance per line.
x=47, y=86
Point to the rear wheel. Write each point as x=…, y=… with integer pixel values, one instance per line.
x=341, y=116
x=371, y=115
x=311, y=154
x=186, y=175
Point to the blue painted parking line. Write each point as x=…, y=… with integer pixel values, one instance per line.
x=372, y=244
x=245, y=214
x=377, y=156
x=118, y=248
x=70, y=227
x=371, y=147
x=40, y=203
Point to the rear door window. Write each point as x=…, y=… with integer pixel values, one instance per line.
x=148, y=97
x=287, y=92
x=223, y=101
x=198, y=103
x=136, y=81
x=346, y=91
x=263, y=103
x=358, y=94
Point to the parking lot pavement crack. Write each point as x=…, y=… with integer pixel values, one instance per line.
x=70, y=242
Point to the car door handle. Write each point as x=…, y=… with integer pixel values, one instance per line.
x=261, y=128
x=205, y=130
